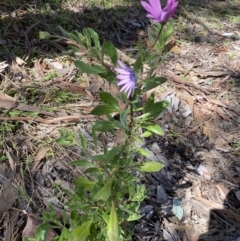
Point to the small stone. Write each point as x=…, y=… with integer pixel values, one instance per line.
x=149, y=215
x=161, y=195
x=157, y=226
x=146, y=209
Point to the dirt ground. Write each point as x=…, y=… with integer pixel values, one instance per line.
x=45, y=102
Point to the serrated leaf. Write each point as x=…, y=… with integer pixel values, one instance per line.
x=84, y=182
x=143, y=152
x=151, y=167
x=81, y=233
x=156, y=129
x=107, y=98
x=103, y=110
x=89, y=69
x=112, y=227
x=105, y=192
x=177, y=208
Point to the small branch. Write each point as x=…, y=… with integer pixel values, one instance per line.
x=45, y=121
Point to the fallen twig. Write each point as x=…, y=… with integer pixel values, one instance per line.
x=46, y=121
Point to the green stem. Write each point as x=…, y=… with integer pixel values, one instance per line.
x=160, y=31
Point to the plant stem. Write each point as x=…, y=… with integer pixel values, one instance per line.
x=160, y=31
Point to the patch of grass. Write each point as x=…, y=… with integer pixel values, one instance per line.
x=236, y=148
x=50, y=75
x=181, y=24
x=60, y=96
x=234, y=19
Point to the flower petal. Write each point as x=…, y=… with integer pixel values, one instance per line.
x=121, y=71
x=123, y=82
x=155, y=11
x=122, y=64
x=156, y=5
x=149, y=9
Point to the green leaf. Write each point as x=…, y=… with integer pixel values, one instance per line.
x=139, y=44
x=150, y=101
x=112, y=227
x=91, y=170
x=62, y=141
x=155, y=109
x=105, y=217
x=153, y=83
x=83, y=141
x=110, y=50
x=103, y=110
x=134, y=217
x=84, y=182
x=112, y=153
x=108, y=76
x=95, y=38
x=146, y=134
x=42, y=230
x=90, y=69
x=103, y=126
x=81, y=163
x=138, y=63
x=105, y=192
x=143, y=151
x=123, y=117
x=151, y=167
x=168, y=30
x=44, y=35
x=107, y=98
x=81, y=233
x=151, y=58
x=155, y=129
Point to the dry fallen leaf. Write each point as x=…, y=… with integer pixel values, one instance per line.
x=6, y=101
x=19, y=61
x=37, y=159
x=31, y=226
x=3, y=66
x=8, y=195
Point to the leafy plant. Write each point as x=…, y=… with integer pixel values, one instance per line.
x=108, y=195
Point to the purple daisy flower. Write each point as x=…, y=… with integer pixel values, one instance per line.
x=155, y=11
x=127, y=78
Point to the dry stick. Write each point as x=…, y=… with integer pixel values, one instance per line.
x=45, y=121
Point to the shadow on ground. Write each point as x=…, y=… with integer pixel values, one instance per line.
x=224, y=224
